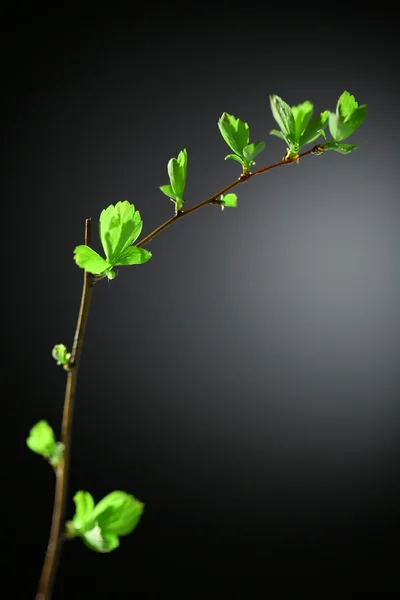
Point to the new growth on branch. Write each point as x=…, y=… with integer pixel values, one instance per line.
x=101, y=525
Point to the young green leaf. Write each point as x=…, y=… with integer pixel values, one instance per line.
x=84, y=505
x=235, y=132
x=341, y=148
x=252, y=150
x=118, y=513
x=279, y=135
x=60, y=354
x=302, y=115
x=314, y=129
x=177, y=172
x=100, y=541
x=237, y=158
x=283, y=115
x=347, y=118
x=168, y=191
x=41, y=439
x=100, y=525
x=120, y=226
x=228, y=200
x=88, y=259
x=133, y=256
x=346, y=104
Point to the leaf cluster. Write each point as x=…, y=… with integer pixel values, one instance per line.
x=298, y=129
x=101, y=525
x=119, y=228
x=236, y=134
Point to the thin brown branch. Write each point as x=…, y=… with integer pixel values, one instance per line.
x=214, y=198
x=62, y=471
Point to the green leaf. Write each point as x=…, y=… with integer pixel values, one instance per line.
x=236, y=157
x=252, y=150
x=177, y=169
x=315, y=128
x=120, y=226
x=100, y=541
x=342, y=148
x=302, y=115
x=41, y=439
x=228, y=200
x=234, y=131
x=278, y=134
x=346, y=104
x=168, y=191
x=84, y=505
x=60, y=354
x=347, y=118
x=133, y=256
x=357, y=117
x=283, y=115
x=88, y=259
x=100, y=525
x=118, y=513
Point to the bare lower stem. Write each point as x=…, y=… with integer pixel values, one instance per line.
x=214, y=198
x=62, y=471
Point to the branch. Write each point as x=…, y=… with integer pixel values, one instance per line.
x=214, y=199
x=62, y=471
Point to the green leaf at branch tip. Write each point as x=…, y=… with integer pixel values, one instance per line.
x=60, y=354
x=229, y=200
x=177, y=171
x=346, y=104
x=348, y=117
x=283, y=115
x=120, y=226
x=41, y=439
x=101, y=525
x=235, y=132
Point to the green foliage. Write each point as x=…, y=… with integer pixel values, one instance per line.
x=41, y=439
x=60, y=354
x=341, y=148
x=347, y=118
x=119, y=228
x=297, y=128
x=177, y=171
x=228, y=200
x=236, y=134
x=101, y=525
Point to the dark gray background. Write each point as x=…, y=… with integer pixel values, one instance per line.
x=244, y=383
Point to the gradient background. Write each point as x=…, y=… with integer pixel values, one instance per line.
x=245, y=383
